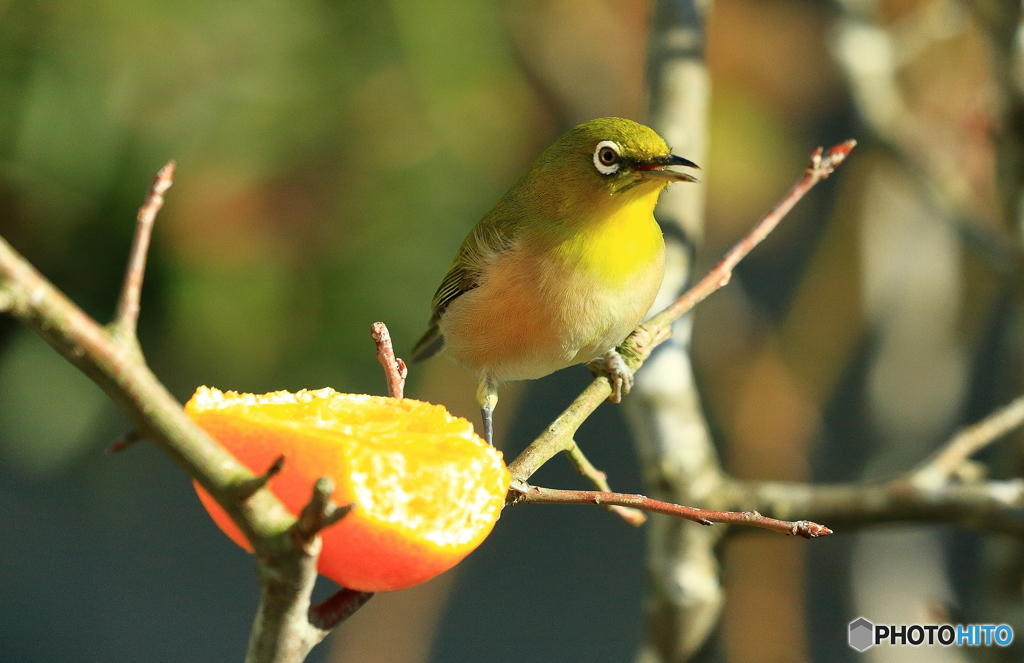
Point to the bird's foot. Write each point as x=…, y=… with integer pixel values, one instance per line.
x=613, y=366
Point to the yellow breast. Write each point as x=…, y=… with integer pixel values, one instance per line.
x=622, y=243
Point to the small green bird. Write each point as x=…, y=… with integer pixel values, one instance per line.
x=565, y=265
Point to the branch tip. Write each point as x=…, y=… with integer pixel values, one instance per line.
x=248, y=488
x=822, y=167
x=275, y=467
x=323, y=489
x=124, y=442
x=126, y=319
x=337, y=514
x=337, y=608
x=395, y=370
x=809, y=530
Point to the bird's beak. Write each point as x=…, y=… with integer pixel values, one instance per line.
x=656, y=168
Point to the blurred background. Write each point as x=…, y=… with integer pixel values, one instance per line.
x=331, y=157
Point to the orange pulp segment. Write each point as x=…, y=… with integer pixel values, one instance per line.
x=427, y=489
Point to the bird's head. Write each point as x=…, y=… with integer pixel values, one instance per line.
x=612, y=155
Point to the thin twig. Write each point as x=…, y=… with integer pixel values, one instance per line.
x=395, y=369
x=127, y=440
x=246, y=489
x=647, y=336
x=527, y=493
x=819, y=168
x=941, y=465
x=634, y=517
x=336, y=608
x=127, y=317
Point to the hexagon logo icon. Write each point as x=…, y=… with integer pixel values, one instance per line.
x=862, y=634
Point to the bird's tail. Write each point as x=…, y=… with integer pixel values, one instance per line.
x=429, y=345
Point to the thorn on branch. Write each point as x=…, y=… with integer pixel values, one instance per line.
x=248, y=488
x=337, y=608
x=127, y=317
x=395, y=369
x=318, y=514
x=125, y=441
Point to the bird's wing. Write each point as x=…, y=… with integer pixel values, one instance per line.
x=487, y=239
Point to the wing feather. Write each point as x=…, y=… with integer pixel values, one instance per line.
x=488, y=239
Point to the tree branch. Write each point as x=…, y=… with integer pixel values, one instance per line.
x=525, y=493
x=931, y=492
x=126, y=441
x=994, y=506
x=286, y=627
x=945, y=462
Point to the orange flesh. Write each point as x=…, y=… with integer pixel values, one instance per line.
x=427, y=489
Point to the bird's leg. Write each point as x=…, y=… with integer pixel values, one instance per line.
x=487, y=396
x=612, y=366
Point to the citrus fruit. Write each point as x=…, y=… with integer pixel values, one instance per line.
x=427, y=490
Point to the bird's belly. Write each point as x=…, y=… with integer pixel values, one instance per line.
x=531, y=317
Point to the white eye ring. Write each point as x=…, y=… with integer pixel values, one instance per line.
x=606, y=157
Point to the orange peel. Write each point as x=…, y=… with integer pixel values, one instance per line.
x=427, y=490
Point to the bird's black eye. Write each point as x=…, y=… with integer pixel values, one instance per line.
x=607, y=157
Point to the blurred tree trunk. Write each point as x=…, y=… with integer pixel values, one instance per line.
x=677, y=453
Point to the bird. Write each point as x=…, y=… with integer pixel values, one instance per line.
x=563, y=267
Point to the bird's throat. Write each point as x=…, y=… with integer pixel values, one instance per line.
x=622, y=241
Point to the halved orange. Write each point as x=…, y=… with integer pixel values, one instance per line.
x=427, y=489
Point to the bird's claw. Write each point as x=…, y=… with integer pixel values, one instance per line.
x=613, y=367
